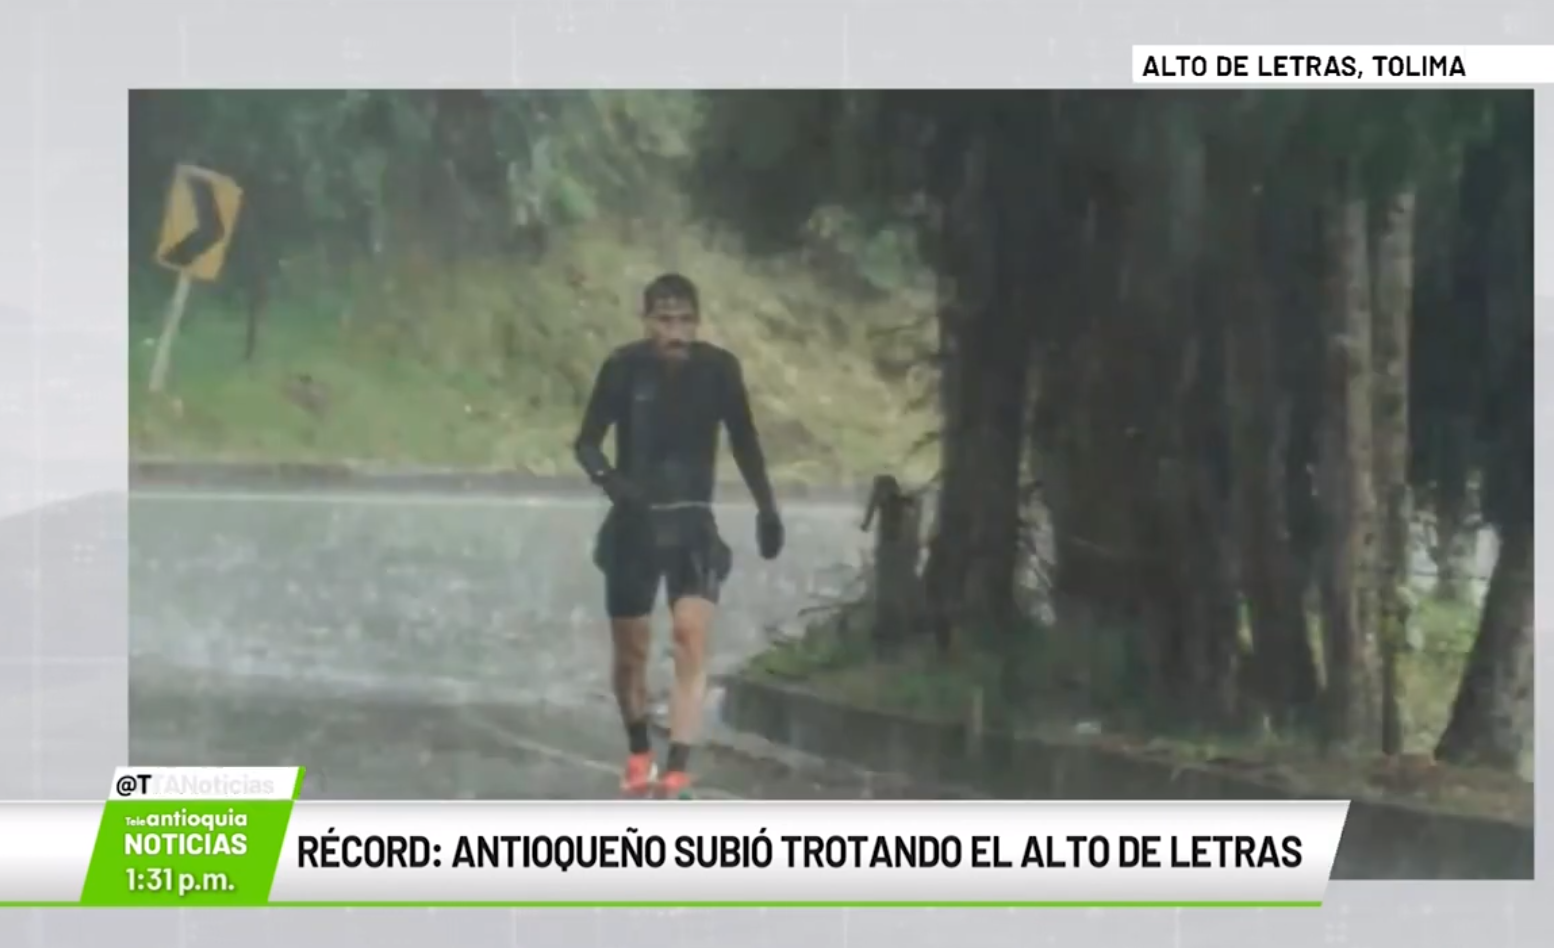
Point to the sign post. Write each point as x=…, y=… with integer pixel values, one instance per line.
x=202, y=208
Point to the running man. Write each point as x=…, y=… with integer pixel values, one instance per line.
x=666, y=396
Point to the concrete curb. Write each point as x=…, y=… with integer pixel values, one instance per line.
x=1382, y=839
x=755, y=751
x=372, y=477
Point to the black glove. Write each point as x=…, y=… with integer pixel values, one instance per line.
x=769, y=534
x=622, y=492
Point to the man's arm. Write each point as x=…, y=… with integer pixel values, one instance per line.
x=743, y=440
x=598, y=416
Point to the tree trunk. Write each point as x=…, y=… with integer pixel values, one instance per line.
x=896, y=519
x=974, y=552
x=1132, y=430
x=1295, y=259
x=975, y=548
x=1394, y=309
x=1188, y=432
x=1097, y=472
x=1491, y=719
x=1352, y=719
x=1283, y=669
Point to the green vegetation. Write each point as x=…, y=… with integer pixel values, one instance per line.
x=487, y=366
x=392, y=350
x=1075, y=688
x=836, y=656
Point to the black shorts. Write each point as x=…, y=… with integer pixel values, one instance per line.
x=679, y=549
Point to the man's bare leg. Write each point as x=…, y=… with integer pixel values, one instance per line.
x=692, y=621
x=631, y=639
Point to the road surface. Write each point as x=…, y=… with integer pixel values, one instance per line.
x=421, y=646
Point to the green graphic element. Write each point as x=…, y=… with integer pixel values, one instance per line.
x=810, y=905
x=186, y=853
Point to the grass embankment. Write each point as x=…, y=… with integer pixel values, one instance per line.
x=1075, y=688
x=486, y=365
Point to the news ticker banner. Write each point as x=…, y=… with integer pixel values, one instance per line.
x=1354, y=65
x=227, y=837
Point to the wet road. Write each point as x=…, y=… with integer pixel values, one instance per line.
x=421, y=647
x=415, y=646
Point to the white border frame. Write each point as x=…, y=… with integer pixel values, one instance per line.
x=64, y=70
